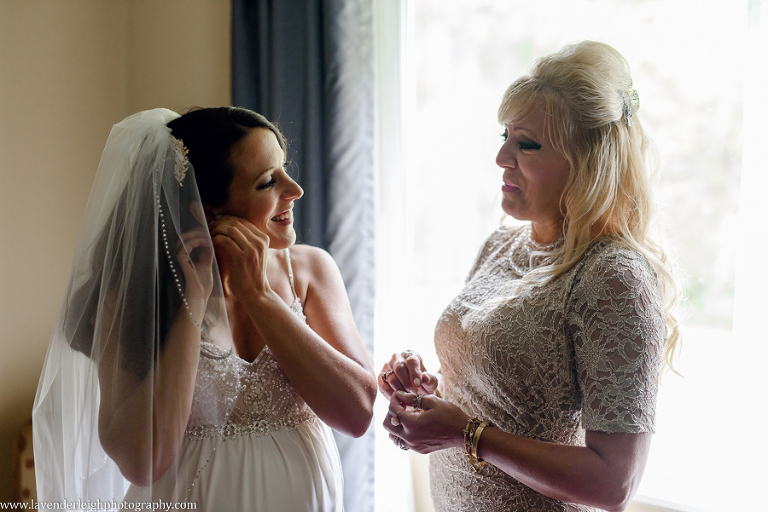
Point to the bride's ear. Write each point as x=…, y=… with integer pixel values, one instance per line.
x=210, y=211
x=210, y=215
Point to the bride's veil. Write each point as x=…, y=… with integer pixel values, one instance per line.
x=126, y=291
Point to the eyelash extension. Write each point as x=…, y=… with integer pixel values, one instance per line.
x=525, y=145
x=268, y=184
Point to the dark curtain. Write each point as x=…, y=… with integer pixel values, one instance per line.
x=308, y=66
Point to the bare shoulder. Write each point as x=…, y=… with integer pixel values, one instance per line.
x=318, y=280
x=312, y=263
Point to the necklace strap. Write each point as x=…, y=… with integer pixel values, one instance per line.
x=525, y=254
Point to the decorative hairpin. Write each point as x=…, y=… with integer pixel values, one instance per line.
x=180, y=151
x=630, y=101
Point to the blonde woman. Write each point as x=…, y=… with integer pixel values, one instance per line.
x=550, y=356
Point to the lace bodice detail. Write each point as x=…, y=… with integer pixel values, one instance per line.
x=258, y=394
x=257, y=397
x=580, y=353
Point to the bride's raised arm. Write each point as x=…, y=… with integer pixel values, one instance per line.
x=144, y=406
x=142, y=418
x=324, y=358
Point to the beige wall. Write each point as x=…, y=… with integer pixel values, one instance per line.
x=178, y=54
x=68, y=71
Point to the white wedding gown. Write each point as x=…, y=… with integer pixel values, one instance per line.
x=273, y=454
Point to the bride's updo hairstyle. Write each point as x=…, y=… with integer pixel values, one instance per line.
x=590, y=108
x=126, y=239
x=211, y=134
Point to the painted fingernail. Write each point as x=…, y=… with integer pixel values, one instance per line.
x=394, y=421
x=401, y=393
x=417, y=382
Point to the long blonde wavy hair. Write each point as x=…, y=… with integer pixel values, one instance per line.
x=590, y=110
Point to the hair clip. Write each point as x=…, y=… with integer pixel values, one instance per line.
x=180, y=151
x=629, y=102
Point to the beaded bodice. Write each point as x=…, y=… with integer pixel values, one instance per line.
x=256, y=397
x=258, y=394
x=582, y=352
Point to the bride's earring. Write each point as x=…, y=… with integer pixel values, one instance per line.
x=210, y=217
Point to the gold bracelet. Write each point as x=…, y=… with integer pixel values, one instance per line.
x=469, y=431
x=471, y=438
x=476, y=439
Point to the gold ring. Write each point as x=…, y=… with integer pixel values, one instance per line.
x=400, y=443
x=417, y=402
x=386, y=374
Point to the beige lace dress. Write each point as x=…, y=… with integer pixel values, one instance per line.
x=581, y=353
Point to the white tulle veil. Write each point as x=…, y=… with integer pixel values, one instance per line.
x=125, y=292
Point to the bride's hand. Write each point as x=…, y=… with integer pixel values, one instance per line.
x=405, y=371
x=243, y=252
x=194, y=254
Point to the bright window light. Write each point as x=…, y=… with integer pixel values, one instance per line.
x=692, y=63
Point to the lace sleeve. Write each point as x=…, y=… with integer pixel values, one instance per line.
x=497, y=239
x=616, y=322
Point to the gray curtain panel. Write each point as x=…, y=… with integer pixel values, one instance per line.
x=308, y=65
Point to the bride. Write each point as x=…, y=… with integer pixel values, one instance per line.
x=200, y=356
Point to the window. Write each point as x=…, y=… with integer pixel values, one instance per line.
x=697, y=67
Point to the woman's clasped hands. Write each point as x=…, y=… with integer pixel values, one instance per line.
x=418, y=418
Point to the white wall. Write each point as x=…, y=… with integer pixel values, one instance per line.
x=68, y=72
